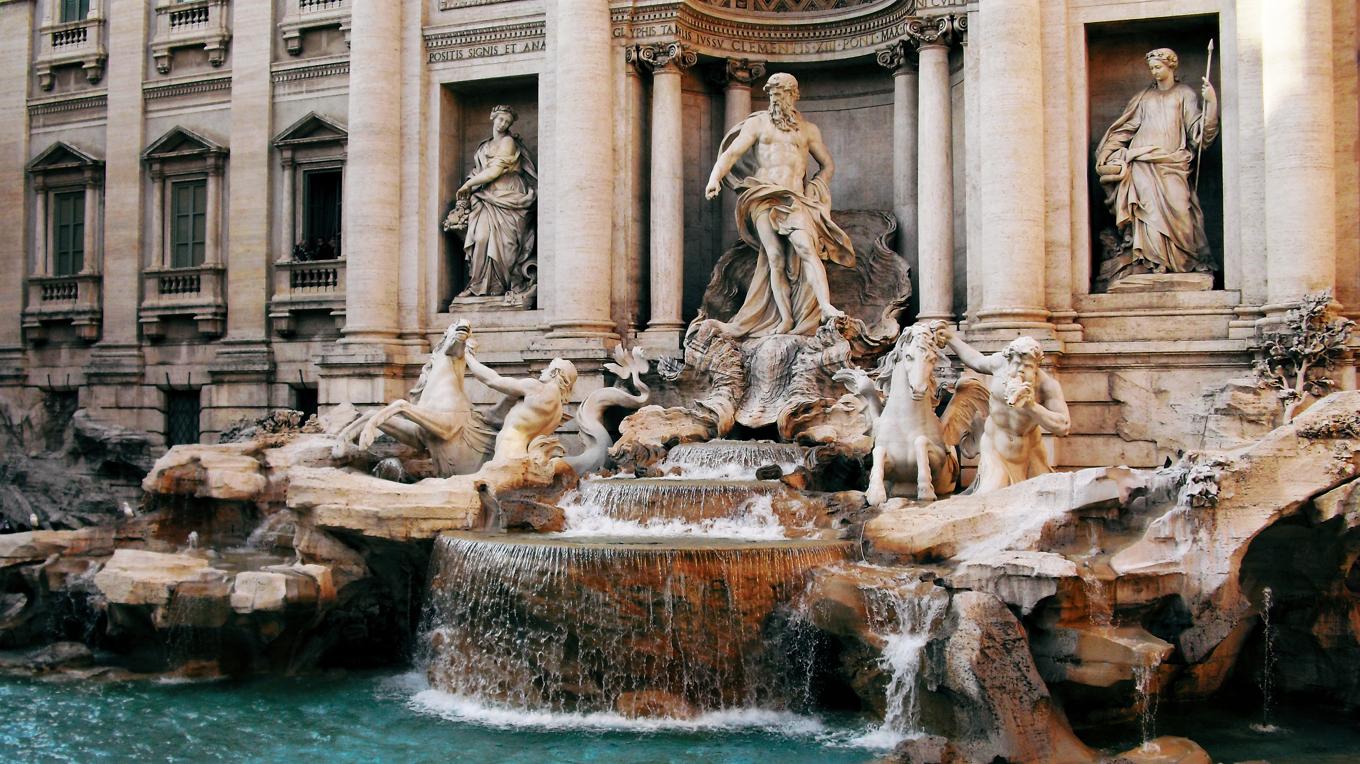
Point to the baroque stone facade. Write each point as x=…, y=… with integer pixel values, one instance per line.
x=215, y=208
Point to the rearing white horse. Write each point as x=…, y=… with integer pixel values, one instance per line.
x=913, y=447
x=438, y=418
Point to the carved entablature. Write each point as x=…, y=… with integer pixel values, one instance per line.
x=779, y=30
x=516, y=39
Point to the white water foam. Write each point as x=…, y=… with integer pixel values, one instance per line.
x=726, y=471
x=755, y=520
x=464, y=709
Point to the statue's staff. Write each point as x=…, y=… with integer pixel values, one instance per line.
x=1203, y=106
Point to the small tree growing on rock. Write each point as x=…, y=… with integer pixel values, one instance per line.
x=1301, y=352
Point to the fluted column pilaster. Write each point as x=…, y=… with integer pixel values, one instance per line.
x=373, y=173
x=1012, y=231
x=667, y=201
x=1300, y=159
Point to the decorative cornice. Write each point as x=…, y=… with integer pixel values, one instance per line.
x=193, y=87
x=659, y=56
x=314, y=71
x=45, y=107
x=485, y=41
x=448, y=5
x=844, y=34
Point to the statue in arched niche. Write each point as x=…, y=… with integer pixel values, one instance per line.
x=1144, y=162
x=493, y=211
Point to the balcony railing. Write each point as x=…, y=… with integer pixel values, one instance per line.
x=55, y=299
x=70, y=43
x=314, y=285
x=190, y=24
x=197, y=293
x=302, y=15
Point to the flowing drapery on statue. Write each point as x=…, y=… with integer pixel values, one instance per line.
x=764, y=158
x=1144, y=163
x=494, y=212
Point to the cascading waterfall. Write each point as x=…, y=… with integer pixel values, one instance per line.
x=731, y=459
x=651, y=629
x=642, y=499
x=906, y=616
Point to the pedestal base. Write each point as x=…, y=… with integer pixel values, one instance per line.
x=1163, y=282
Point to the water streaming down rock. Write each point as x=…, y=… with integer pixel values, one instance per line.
x=645, y=629
x=906, y=616
x=732, y=459
x=1144, y=679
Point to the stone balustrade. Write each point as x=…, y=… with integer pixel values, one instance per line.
x=71, y=43
x=197, y=292
x=302, y=15
x=190, y=24
x=77, y=299
x=315, y=285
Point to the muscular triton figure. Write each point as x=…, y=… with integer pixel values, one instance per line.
x=787, y=222
x=539, y=410
x=1024, y=398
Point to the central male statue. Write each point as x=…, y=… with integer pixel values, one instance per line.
x=787, y=222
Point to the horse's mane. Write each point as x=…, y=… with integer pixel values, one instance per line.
x=882, y=374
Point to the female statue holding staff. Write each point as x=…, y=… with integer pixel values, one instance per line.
x=1144, y=164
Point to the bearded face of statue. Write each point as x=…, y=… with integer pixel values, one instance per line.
x=782, y=110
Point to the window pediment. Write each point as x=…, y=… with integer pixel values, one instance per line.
x=180, y=143
x=62, y=156
x=312, y=130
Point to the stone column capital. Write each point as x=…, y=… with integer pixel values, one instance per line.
x=898, y=57
x=661, y=56
x=937, y=30
x=740, y=71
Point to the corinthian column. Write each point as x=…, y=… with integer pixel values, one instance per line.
x=373, y=173
x=583, y=138
x=899, y=58
x=935, y=179
x=1012, y=163
x=665, y=60
x=1296, y=64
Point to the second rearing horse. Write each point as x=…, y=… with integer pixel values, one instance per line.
x=914, y=448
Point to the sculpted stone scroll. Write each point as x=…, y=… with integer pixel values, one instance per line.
x=1144, y=162
x=765, y=159
x=493, y=212
x=1023, y=399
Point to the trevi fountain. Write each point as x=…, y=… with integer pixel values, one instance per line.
x=807, y=510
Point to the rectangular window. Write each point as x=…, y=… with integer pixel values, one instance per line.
x=305, y=399
x=74, y=10
x=321, y=192
x=68, y=233
x=181, y=417
x=188, y=222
